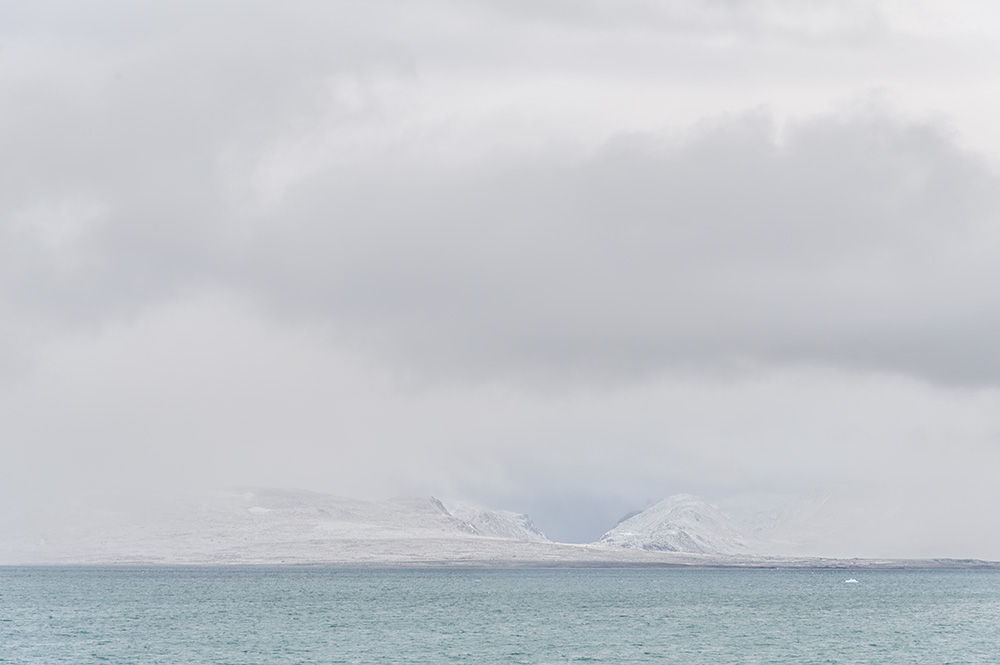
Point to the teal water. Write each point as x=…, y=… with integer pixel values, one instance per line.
x=273, y=616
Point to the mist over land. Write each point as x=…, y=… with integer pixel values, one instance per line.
x=566, y=259
x=831, y=528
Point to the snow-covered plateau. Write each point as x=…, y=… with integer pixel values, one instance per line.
x=280, y=526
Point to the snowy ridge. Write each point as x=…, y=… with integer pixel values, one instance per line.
x=495, y=523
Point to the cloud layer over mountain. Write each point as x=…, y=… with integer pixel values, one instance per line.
x=520, y=250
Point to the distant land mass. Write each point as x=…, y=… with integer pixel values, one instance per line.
x=256, y=526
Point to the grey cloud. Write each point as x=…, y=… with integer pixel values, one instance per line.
x=859, y=239
x=119, y=123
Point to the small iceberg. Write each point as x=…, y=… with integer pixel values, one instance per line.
x=851, y=581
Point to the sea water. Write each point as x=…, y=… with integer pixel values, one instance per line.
x=234, y=615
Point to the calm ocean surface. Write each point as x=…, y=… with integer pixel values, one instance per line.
x=197, y=615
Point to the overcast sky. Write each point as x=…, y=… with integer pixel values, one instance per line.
x=561, y=256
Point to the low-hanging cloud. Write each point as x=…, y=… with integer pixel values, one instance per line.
x=858, y=241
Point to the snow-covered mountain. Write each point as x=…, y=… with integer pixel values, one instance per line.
x=842, y=522
x=276, y=526
x=680, y=523
x=252, y=525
